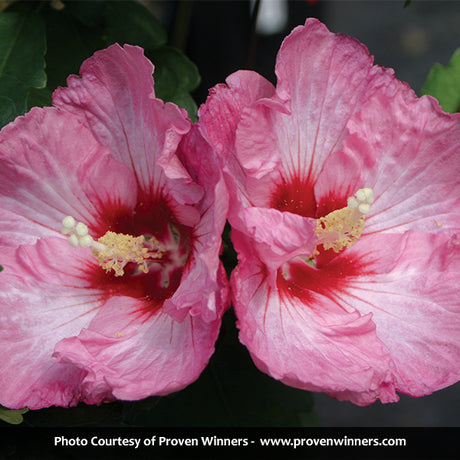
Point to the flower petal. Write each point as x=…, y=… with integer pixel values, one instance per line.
x=220, y=115
x=411, y=289
x=117, y=103
x=133, y=357
x=316, y=346
x=43, y=298
x=415, y=168
x=53, y=167
x=324, y=78
x=203, y=289
x=279, y=236
x=383, y=316
x=283, y=141
x=219, y=119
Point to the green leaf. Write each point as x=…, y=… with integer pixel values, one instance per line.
x=69, y=41
x=130, y=22
x=22, y=49
x=75, y=32
x=8, y=110
x=444, y=84
x=407, y=3
x=38, y=98
x=13, y=416
x=91, y=14
x=185, y=100
x=175, y=76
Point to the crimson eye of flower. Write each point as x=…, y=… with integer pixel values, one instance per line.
x=296, y=196
x=336, y=231
x=142, y=256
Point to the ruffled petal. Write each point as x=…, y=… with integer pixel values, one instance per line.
x=381, y=317
x=53, y=167
x=117, y=103
x=410, y=285
x=279, y=236
x=220, y=115
x=324, y=78
x=316, y=346
x=415, y=167
x=43, y=298
x=279, y=142
x=219, y=119
x=133, y=357
x=203, y=290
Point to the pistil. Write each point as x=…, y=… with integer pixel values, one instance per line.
x=114, y=250
x=341, y=229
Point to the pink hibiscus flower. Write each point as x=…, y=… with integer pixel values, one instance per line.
x=345, y=200
x=132, y=306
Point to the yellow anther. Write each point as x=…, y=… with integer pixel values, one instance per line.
x=115, y=250
x=341, y=229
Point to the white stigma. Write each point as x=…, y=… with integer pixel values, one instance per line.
x=362, y=200
x=81, y=229
x=68, y=222
x=78, y=233
x=86, y=241
x=73, y=240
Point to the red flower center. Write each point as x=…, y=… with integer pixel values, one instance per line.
x=324, y=273
x=296, y=196
x=154, y=219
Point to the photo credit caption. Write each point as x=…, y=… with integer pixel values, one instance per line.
x=153, y=441
x=223, y=443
